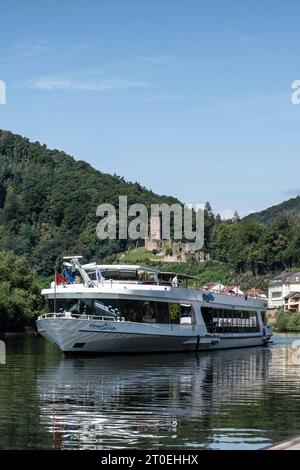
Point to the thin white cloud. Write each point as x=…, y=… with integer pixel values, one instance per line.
x=25, y=52
x=29, y=51
x=104, y=84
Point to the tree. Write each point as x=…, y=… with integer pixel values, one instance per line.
x=169, y=250
x=236, y=217
x=20, y=299
x=209, y=222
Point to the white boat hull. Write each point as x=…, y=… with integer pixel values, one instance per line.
x=85, y=336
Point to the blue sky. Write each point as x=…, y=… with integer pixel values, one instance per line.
x=191, y=98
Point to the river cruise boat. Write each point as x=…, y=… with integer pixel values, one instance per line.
x=134, y=309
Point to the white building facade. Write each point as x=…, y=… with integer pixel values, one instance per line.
x=281, y=286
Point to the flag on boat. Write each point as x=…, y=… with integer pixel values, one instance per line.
x=59, y=279
x=99, y=276
x=69, y=276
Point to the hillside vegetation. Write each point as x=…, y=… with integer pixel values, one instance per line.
x=290, y=207
x=48, y=204
x=20, y=298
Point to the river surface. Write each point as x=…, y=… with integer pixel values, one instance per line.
x=236, y=399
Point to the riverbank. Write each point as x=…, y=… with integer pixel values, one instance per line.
x=17, y=333
x=287, y=322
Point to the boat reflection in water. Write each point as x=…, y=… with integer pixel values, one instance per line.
x=207, y=400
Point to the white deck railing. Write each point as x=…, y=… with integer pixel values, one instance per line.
x=78, y=316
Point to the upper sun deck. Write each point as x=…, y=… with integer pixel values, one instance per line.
x=138, y=274
x=123, y=279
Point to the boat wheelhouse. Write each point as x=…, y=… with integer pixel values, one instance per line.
x=133, y=309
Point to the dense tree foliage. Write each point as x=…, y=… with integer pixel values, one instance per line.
x=246, y=245
x=48, y=203
x=287, y=321
x=266, y=217
x=20, y=297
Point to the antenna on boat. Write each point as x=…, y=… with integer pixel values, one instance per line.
x=74, y=261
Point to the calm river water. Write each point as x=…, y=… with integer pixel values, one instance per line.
x=238, y=399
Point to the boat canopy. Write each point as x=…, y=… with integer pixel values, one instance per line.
x=117, y=267
x=125, y=269
x=138, y=272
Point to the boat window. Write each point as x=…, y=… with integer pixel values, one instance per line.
x=207, y=314
x=174, y=312
x=264, y=317
x=113, y=274
x=128, y=275
x=187, y=316
x=229, y=321
x=75, y=306
x=147, y=277
x=131, y=310
x=152, y=312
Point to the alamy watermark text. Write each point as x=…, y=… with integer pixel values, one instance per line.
x=135, y=222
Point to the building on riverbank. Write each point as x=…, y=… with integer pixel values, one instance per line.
x=292, y=302
x=281, y=287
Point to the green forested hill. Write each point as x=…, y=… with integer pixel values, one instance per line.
x=268, y=216
x=48, y=203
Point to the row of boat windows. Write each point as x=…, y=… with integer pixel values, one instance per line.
x=230, y=321
x=129, y=310
x=216, y=320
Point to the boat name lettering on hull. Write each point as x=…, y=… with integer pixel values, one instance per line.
x=104, y=327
